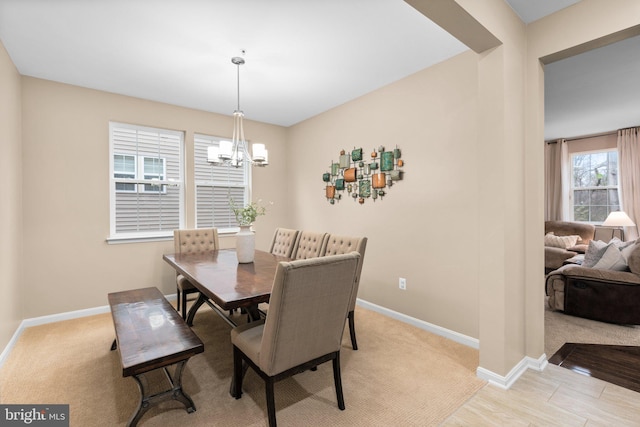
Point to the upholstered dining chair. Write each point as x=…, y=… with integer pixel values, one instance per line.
x=336, y=245
x=190, y=241
x=283, y=242
x=309, y=302
x=309, y=244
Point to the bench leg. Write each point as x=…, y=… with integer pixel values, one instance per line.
x=175, y=393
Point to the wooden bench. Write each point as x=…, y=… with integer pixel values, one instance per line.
x=150, y=334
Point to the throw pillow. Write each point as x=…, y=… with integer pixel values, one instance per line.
x=627, y=250
x=612, y=259
x=633, y=259
x=594, y=252
x=620, y=244
x=563, y=242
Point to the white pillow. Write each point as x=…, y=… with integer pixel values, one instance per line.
x=612, y=259
x=563, y=242
x=594, y=252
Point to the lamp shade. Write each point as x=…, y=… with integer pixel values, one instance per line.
x=618, y=219
x=259, y=152
x=226, y=150
x=213, y=154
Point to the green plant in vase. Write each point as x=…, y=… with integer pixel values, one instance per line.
x=247, y=215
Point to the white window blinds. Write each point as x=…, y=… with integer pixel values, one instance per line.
x=146, y=181
x=216, y=185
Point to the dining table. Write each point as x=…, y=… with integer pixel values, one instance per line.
x=226, y=284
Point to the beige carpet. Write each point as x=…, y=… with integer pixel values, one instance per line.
x=400, y=376
x=561, y=328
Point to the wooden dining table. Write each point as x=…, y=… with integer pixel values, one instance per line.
x=224, y=283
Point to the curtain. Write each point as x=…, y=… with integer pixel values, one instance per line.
x=629, y=177
x=556, y=181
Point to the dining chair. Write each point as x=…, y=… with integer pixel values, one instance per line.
x=309, y=302
x=191, y=241
x=309, y=244
x=336, y=245
x=283, y=242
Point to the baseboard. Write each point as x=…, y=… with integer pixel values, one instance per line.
x=52, y=318
x=430, y=327
x=505, y=382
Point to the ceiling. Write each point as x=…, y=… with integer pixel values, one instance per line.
x=302, y=57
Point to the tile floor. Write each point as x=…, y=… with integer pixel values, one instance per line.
x=554, y=397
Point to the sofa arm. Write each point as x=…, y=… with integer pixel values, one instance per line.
x=554, y=257
x=609, y=276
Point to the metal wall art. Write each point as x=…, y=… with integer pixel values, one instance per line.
x=363, y=179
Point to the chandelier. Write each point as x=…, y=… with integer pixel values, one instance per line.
x=236, y=151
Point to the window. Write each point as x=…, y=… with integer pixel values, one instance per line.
x=146, y=181
x=215, y=185
x=594, y=185
x=126, y=166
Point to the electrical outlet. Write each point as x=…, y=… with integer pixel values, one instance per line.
x=402, y=283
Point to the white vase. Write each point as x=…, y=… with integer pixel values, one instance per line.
x=245, y=244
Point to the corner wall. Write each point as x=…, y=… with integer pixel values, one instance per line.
x=424, y=230
x=11, y=204
x=66, y=194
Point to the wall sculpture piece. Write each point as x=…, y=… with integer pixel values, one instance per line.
x=363, y=179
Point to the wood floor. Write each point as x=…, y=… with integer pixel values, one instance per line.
x=617, y=364
x=553, y=397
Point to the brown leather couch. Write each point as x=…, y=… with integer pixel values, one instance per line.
x=554, y=257
x=605, y=295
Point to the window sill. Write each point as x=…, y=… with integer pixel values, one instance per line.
x=138, y=239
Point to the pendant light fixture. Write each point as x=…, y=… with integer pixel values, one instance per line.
x=236, y=151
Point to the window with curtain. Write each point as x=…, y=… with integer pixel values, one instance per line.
x=594, y=185
x=146, y=175
x=216, y=185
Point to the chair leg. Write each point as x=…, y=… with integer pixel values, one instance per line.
x=271, y=402
x=338, y=381
x=236, y=383
x=352, y=330
x=184, y=305
x=178, y=299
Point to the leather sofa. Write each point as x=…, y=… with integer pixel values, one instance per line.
x=600, y=294
x=555, y=257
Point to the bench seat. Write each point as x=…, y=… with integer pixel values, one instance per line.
x=150, y=334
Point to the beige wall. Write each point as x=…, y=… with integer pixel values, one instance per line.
x=424, y=227
x=68, y=264
x=11, y=203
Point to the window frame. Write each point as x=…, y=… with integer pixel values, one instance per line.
x=202, y=139
x=573, y=188
x=141, y=183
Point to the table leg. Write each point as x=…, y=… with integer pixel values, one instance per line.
x=253, y=312
x=196, y=305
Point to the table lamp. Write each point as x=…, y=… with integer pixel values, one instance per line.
x=618, y=219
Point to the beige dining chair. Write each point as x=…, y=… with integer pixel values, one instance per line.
x=309, y=302
x=309, y=244
x=283, y=242
x=191, y=241
x=337, y=244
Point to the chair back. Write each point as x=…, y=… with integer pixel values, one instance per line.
x=337, y=244
x=195, y=240
x=309, y=244
x=308, y=305
x=284, y=240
